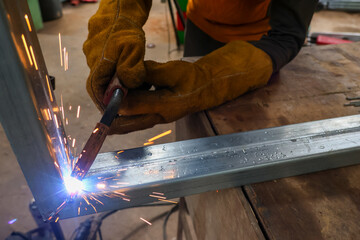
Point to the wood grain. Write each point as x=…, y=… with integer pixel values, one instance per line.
x=324, y=205
x=314, y=86
x=210, y=211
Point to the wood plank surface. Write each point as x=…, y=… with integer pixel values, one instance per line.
x=314, y=86
x=324, y=205
x=210, y=211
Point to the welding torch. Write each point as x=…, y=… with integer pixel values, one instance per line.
x=113, y=97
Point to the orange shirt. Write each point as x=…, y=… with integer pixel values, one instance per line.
x=228, y=20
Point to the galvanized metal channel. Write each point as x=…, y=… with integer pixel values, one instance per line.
x=200, y=165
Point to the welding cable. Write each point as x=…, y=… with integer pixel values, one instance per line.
x=174, y=209
x=21, y=235
x=100, y=234
x=76, y=231
x=147, y=205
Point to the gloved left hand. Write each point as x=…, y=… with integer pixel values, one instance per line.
x=116, y=44
x=183, y=87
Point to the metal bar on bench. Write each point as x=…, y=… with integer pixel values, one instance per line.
x=200, y=165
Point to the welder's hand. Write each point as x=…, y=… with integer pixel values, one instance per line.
x=183, y=87
x=116, y=43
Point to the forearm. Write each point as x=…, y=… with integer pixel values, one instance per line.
x=289, y=21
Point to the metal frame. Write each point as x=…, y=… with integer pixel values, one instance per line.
x=28, y=110
x=137, y=176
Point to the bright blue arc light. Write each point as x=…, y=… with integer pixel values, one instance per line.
x=73, y=185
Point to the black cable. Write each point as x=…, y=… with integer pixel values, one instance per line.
x=108, y=214
x=114, y=211
x=173, y=23
x=181, y=15
x=174, y=209
x=23, y=236
x=100, y=235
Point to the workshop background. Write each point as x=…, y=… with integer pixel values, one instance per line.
x=70, y=85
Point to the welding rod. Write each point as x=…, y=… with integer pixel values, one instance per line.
x=112, y=100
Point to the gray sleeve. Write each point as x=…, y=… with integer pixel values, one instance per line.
x=289, y=21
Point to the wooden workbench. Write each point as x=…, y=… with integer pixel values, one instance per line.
x=323, y=205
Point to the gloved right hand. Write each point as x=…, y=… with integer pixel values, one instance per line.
x=116, y=44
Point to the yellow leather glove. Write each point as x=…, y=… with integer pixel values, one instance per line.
x=183, y=87
x=116, y=43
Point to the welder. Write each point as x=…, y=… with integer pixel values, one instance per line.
x=242, y=43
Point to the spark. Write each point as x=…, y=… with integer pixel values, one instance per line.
x=78, y=112
x=87, y=201
x=119, y=152
x=33, y=57
x=61, y=206
x=159, y=136
x=62, y=107
x=93, y=207
x=79, y=210
x=67, y=60
x=146, y=221
x=95, y=130
x=48, y=110
x=45, y=114
x=66, y=121
x=97, y=200
x=28, y=22
x=56, y=121
x=57, y=219
x=64, y=52
x=101, y=185
x=70, y=107
x=148, y=143
x=157, y=196
x=61, y=58
x=126, y=199
x=165, y=200
x=65, y=140
x=169, y=177
x=26, y=49
x=12, y=221
x=49, y=89
x=84, y=197
x=56, y=165
x=73, y=142
x=158, y=193
x=122, y=183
